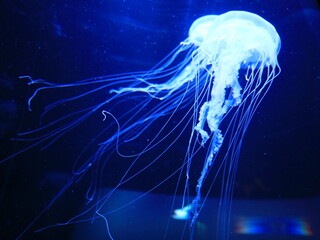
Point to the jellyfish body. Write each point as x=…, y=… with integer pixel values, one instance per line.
x=224, y=45
x=227, y=43
x=206, y=85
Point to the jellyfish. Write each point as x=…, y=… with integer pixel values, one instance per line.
x=207, y=89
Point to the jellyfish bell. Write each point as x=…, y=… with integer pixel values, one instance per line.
x=200, y=29
x=205, y=85
x=248, y=36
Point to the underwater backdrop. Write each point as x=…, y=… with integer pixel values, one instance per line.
x=276, y=187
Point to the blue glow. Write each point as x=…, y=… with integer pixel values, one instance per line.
x=229, y=62
x=273, y=225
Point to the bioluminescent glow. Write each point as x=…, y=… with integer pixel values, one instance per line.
x=219, y=74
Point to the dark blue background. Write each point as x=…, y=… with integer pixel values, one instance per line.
x=66, y=41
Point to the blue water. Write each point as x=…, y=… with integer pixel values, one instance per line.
x=64, y=42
